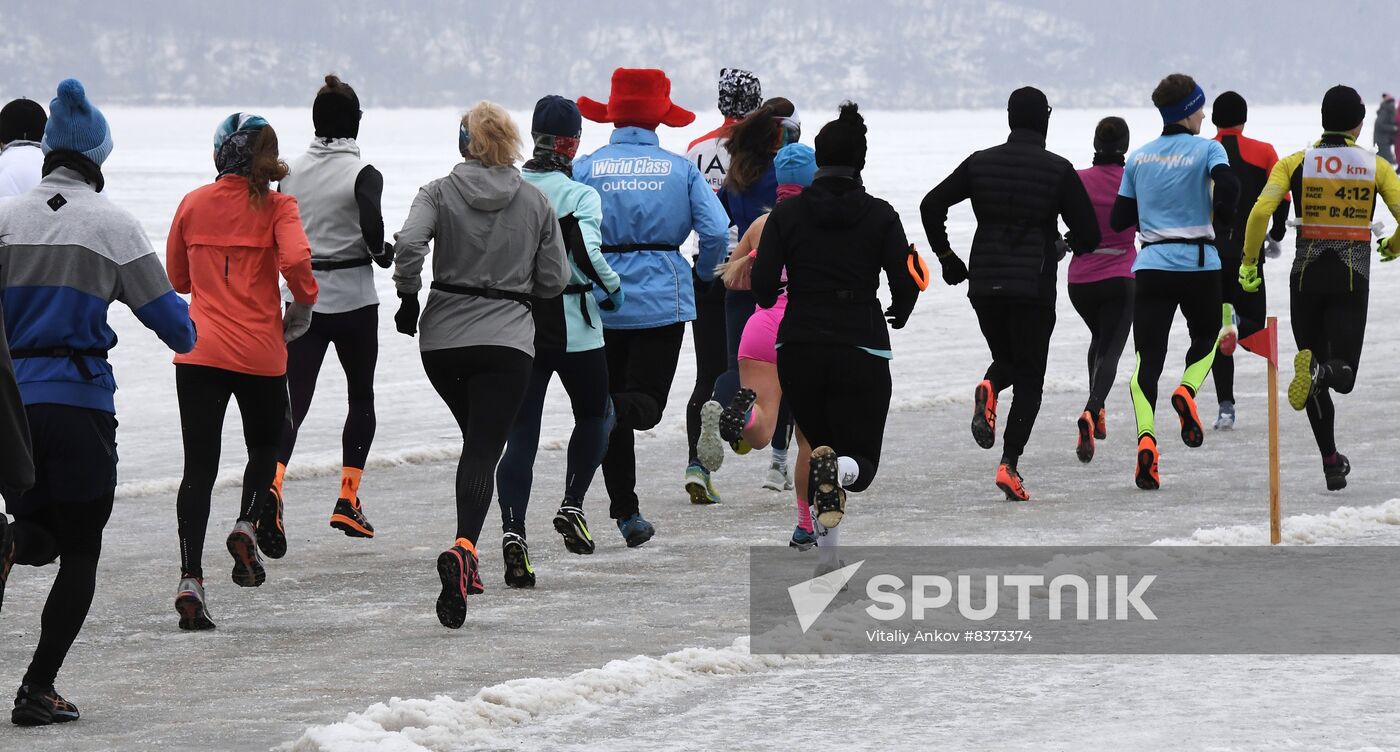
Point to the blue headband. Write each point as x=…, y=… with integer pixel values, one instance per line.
x=1187, y=107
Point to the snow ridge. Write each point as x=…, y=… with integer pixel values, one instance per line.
x=1303, y=529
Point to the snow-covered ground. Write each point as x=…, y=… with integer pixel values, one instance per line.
x=344, y=626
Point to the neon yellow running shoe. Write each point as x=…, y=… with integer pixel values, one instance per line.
x=1300, y=389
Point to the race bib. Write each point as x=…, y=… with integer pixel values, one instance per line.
x=1339, y=187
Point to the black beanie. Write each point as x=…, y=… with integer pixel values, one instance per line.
x=1342, y=109
x=22, y=120
x=1029, y=109
x=556, y=116
x=1111, y=136
x=841, y=143
x=336, y=111
x=1229, y=110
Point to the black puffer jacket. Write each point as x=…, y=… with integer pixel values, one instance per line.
x=16, y=459
x=834, y=240
x=1018, y=189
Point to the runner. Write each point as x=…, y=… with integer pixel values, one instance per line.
x=1242, y=315
x=754, y=412
x=496, y=247
x=1336, y=184
x=68, y=254
x=338, y=195
x=227, y=245
x=833, y=346
x=1018, y=189
x=652, y=200
x=568, y=341
x=739, y=94
x=1384, y=131
x=21, y=156
x=1101, y=283
x=1167, y=193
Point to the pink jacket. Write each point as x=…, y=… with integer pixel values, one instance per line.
x=1116, y=252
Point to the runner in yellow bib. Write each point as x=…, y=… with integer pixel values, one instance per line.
x=1335, y=184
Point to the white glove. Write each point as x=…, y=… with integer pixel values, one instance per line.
x=296, y=321
x=1272, y=249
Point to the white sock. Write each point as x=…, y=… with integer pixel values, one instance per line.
x=779, y=456
x=847, y=471
x=827, y=537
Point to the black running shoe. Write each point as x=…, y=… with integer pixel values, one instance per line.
x=247, y=564
x=7, y=554
x=515, y=552
x=736, y=416
x=1336, y=473
x=272, y=538
x=456, y=568
x=828, y=497
x=349, y=518
x=570, y=523
x=41, y=707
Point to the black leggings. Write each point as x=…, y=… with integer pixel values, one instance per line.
x=641, y=366
x=708, y=333
x=204, y=394
x=1107, y=309
x=62, y=517
x=483, y=387
x=355, y=335
x=1333, y=326
x=1253, y=310
x=1159, y=294
x=1018, y=334
x=585, y=378
x=840, y=397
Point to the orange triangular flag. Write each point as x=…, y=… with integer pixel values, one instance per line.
x=1264, y=342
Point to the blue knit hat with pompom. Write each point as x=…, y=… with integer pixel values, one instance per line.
x=76, y=125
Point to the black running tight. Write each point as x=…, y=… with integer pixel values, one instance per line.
x=641, y=365
x=840, y=397
x=1251, y=307
x=355, y=335
x=1018, y=334
x=1333, y=326
x=483, y=386
x=1159, y=294
x=707, y=333
x=204, y=394
x=62, y=517
x=1107, y=309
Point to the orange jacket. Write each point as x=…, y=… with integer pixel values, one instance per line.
x=227, y=255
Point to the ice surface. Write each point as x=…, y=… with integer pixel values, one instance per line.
x=343, y=625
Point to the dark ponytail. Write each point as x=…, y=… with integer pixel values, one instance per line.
x=753, y=141
x=267, y=166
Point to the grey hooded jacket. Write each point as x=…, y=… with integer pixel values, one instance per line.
x=490, y=229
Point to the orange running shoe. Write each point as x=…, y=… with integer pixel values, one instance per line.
x=1101, y=426
x=1009, y=481
x=349, y=518
x=1192, y=433
x=984, y=415
x=1147, y=477
x=1085, y=449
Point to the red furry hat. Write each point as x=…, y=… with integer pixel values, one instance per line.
x=640, y=97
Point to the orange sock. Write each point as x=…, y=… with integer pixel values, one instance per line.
x=277, y=478
x=350, y=483
x=464, y=543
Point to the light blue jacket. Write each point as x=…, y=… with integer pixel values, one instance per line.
x=571, y=197
x=653, y=197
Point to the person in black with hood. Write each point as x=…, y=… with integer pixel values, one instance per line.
x=1018, y=189
x=834, y=344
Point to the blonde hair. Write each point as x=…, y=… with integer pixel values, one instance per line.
x=495, y=140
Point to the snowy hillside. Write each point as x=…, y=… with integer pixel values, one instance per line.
x=890, y=54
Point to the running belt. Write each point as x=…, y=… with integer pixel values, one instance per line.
x=840, y=296
x=63, y=352
x=1200, y=244
x=634, y=247
x=524, y=299
x=323, y=265
x=581, y=290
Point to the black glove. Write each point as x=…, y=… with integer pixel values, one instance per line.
x=954, y=270
x=385, y=258
x=1062, y=248
x=896, y=320
x=406, y=320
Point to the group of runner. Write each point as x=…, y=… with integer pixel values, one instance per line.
x=574, y=266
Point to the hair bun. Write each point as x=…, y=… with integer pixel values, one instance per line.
x=333, y=81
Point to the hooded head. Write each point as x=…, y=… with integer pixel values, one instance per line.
x=1028, y=109
x=22, y=120
x=1229, y=110
x=1342, y=109
x=640, y=97
x=75, y=124
x=739, y=93
x=841, y=142
x=336, y=110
